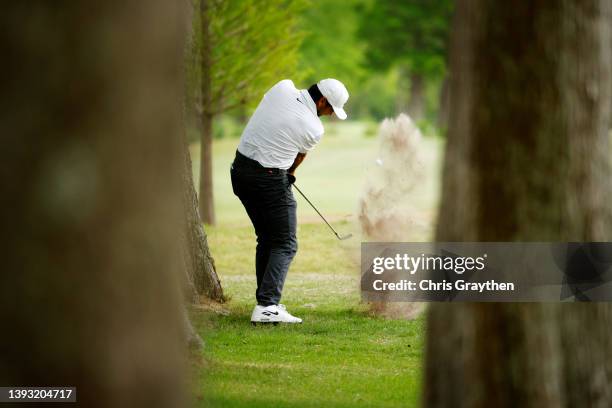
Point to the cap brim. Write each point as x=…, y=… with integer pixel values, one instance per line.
x=340, y=113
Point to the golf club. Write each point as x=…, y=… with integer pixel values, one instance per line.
x=341, y=238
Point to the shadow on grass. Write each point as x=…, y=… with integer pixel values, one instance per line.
x=241, y=316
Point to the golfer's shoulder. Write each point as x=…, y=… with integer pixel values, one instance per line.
x=285, y=86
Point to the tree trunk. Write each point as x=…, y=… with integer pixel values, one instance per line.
x=91, y=295
x=201, y=272
x=402, y=97
x=207, y=209
x=197, y=266
x=527, y=159
x=416, y=105
x=444, y=104
x=243, y=115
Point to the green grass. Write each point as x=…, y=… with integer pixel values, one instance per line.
x=341, y=356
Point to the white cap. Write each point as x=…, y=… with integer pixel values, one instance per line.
x=336, y=94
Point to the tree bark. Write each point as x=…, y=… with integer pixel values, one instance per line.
x=416, y=105
x=527, y=159
x=207, y=209
x=201, y=271
x=88, y=115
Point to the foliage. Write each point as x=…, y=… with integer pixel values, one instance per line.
x=254, y=45
x=257, y=43
x=331, y=48
x=226, y=126
x=413, y=33
x=376, y=96
x=361, y=42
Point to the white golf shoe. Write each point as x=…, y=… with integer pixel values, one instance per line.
x=272, y=314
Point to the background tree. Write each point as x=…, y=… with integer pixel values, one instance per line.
x=200, y=272
x=528, y=159
x=200, y=279
x=200, y=266
x=241, y=48
x=91, y=200
x=411, y=36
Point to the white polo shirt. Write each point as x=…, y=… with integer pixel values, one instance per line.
x=284, y=123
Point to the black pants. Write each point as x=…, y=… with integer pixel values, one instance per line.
x=268, y=200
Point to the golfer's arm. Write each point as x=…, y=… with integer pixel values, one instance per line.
x=298, y=160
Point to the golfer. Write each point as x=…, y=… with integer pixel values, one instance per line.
x=283, y=128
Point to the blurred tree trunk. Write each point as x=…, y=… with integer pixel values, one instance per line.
x=201, y=272
x=91, y=200
x=527, y=159
x=243, y=115
x=444, y=104
x=416, y=104
x=402, y=97
x=207, y=209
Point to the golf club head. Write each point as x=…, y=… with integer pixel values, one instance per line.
x=342, y=238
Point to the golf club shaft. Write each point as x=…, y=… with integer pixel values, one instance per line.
x=315, y=208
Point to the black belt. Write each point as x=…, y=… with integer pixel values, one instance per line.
x=244, y=162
